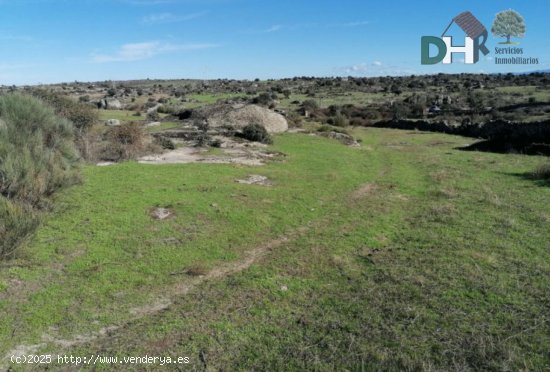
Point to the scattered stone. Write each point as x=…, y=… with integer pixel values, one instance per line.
x=255, y=179
x=112, y=123
x=284, y=288
x=153, y=124
x=346, y=139
x=161, y=213
x=105, y=163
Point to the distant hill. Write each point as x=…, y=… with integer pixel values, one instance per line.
x=533, y=72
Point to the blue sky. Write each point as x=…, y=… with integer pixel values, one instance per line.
x=48, y=41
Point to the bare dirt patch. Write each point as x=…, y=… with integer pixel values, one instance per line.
x=363, y=191
x=187, y=155
x=255, y=179
x=161, y=213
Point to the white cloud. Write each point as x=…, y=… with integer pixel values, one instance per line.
x=353, y=24
x=358, y=68
x=274, y=28
x=299, y=26
x=170, y=18
x=376, y=68
x=146, y=50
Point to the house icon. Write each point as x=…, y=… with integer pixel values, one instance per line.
x=472, y=27
x=474, y=42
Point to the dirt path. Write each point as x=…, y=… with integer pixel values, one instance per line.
x=160, y=303
x=179, y=289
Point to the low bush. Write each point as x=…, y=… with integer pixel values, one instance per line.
x=265, y=99
x=542, y=172
x=165, y=143
x=256, y=133
x=37, y=151
x=153, y=116
x=169, y=109
x=17, y=222
x=310, y=105
x=340, y=120
x=294, y=119
x=37, y=158
x=217, y=143
x=202, y=138
x=330, y=128
x=81, y=114
x=124, y=142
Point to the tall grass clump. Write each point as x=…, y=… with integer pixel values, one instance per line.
x=542, y=172
x=17, y=222
x=37, y=158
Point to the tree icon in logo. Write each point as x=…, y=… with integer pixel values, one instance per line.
x=508, y=23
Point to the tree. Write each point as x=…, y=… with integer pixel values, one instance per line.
x=508, y=23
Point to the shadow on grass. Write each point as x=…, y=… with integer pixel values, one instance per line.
x=533, y=177
x=504, y=147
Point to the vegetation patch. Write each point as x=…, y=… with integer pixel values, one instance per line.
x=256, y=133
x=37, y=158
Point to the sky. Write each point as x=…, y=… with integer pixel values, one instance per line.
x=52, y=41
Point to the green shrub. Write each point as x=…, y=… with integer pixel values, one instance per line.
x=202, y=138
x=294, y=119
x=542, y=172
x=310, y=105
x=165, y=143
x=124, y=142
x=17, y=222
x=340, y=120
x=37, y=157
x=329, y=128
x=217, y=143
x=169, y=109
x=265, y=99
x=82, y=115
x=37, y=151
x=153, y=116
x=256, y=133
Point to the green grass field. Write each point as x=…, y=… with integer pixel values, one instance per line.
x=164, y=126
x=122, y=115
x=403, y=254
x=209, y=99
x=325, y=100
x=540, y=94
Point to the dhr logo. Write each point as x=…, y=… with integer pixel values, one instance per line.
x=474, y=42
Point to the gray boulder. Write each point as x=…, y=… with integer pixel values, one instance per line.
x=240, y=115
x=112, y=123
x=113, y=104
